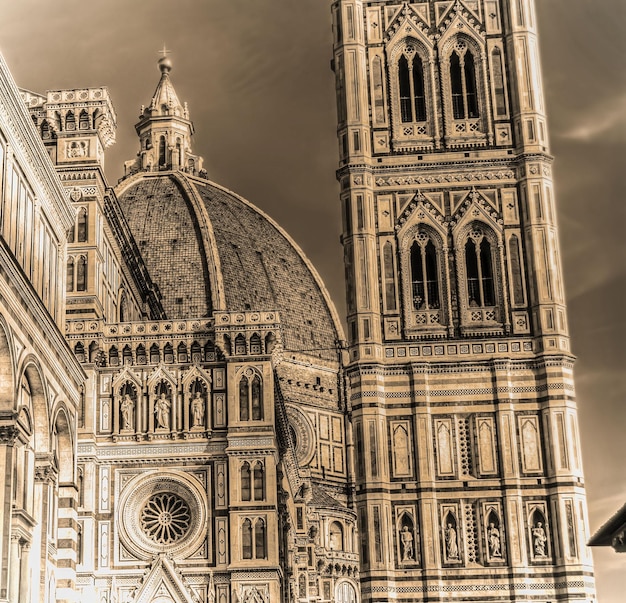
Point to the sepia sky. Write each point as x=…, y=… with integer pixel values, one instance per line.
x=257, y=79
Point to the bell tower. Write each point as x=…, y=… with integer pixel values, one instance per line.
x=467, y=457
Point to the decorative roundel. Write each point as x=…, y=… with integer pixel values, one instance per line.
x=303, y=434
x=162, y=513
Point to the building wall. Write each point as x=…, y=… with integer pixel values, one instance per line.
x=41, y=380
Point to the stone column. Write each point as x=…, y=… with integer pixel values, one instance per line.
x=14, y=569
x=25, y=574
x=8, y=437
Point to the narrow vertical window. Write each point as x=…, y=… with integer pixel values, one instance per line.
x=82, y=225
x=463, y=83
x=162, y=151
x=470, y=86
x=516, y=271
x=487, y=274
x=257, y=402
x=245, y=482
x=419, y=96
x=246, y=539
x=458, y=107
x=81, y=274
x=378, y=545
x=260, y=539
x=69, y=283
x=360, y=467
x=389, y=277
x=259, y=482
x=498, y=82
x=379, y=103
x=244, y=414
x=424, y=274
x=373, y=449
x=406, y=112
x=479, y=269
x=363, y=539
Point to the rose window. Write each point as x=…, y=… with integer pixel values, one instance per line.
x=165, y=518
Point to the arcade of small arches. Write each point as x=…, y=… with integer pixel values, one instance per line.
x=37, y=438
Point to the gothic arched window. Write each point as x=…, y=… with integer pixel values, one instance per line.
x=259, y=482
x=424, y=274
x=81, y=274
x=162, y=159
x=260, y=544
x=257, y=401
x=244, y=403
x=82, y=225
x=411, y=87
x=246, y=539
x=245, y=482
x=335, y=533
x=69, y=282
x=498, y=82
x=463, y=82
x=479, y=271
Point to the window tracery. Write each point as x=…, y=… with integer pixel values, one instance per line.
x=424, y=259
x=464, y=92
x=254, y=539
x=412, y=100
x=250, y=397
x=480, y=266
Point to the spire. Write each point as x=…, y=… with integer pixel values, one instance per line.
x=165, y=130
x=165, y=100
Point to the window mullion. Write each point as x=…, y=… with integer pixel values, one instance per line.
x=412, y=91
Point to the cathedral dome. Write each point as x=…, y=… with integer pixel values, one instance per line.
x=209, y=249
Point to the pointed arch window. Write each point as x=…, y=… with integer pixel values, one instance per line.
x=162, y=160
x=425, y=290
x=259, y=482
x=69, y=283
x=244, y=404
x=257, y=402
x=479, y=269
x=82, y=225
x=246, y=539
x=260, y=538
x=45, y=130
x=245, y=482
x=81, y=274
x=411, y=87
x=463, y=82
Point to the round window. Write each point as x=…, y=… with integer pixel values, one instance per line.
x=165, y=518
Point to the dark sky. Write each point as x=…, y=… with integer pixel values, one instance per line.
x=261, y=94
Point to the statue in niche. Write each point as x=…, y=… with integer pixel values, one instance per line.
x=539, y=540
x=493, y=540
x=127, y=408
x=452, y=547
x=406, y=537
x=162, y=412
x=197, y=411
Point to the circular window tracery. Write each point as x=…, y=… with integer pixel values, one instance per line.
x=162, y=511
x=165, y=518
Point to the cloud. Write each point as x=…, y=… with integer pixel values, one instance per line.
x=608, y=120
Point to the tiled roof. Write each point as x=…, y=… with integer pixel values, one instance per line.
x=605, y=535
x=260, y=266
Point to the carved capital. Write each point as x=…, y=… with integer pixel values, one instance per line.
x=45, y=471
x=9, y=434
